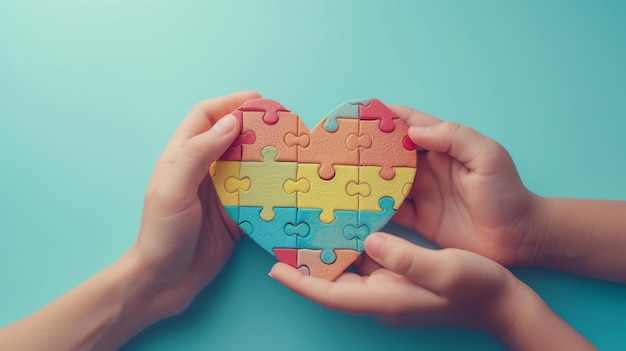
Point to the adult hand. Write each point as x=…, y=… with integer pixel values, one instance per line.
x=186, y=236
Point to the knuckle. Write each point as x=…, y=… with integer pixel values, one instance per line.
x=402, y=261
x=452, y=276
x=194, y=148
x=452, y=127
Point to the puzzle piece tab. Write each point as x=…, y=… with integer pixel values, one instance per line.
x=267, y=180
x=372, y=187
x=273, y=135
x=227, y=181
x=270, y=107
x=269, y=234
x=331, y=148
x=327, y=236
x=376, y=110
x=315, y=266
x=387, y=150
x=327, y=195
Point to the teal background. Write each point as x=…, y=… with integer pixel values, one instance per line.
x=90, y=92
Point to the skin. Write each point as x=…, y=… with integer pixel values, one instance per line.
x=404, y=285
x=467, y=196
x=184, y=241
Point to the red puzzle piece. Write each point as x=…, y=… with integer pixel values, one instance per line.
x=233, y=153
x=377, y=110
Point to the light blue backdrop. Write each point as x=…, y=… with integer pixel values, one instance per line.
x=90, y=92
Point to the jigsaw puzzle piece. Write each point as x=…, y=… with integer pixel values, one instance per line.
x=269, y=234
x=332, y=148
x=273, y=135
x=310, y=262
x=267, y=179
x=299, y=140
x=233, y=153
x=270, y=107
x=357, y=234
x=326, y=236
x=349, y=109
x=378, y=111
x=287, y=255
x=233, y=212
x=387, y=149
x=373, y=187
x=326, y=195
x=227, y=181
x=373, y=220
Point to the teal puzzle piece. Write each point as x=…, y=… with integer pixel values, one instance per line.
x=349, y=109
x=327, y=236
x=372, y=220
x=269, y=234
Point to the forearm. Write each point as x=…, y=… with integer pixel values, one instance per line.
x=100, y=314
x=586, y=237
x=534, y=326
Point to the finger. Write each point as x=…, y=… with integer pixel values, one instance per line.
x=414, y=118
x=360, y=295
x=201, y=117
x=204, y=114
x=431, y=269
x=474, y=150
x=347, y=294
x=365, y=265
x=192, y=164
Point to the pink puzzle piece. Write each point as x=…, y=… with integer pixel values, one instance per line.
x=270, y=107
x=387, y=149
x=271, y=135
x=378, y=111
x=331, y=148
x=233, y=153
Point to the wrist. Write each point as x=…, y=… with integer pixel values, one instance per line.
x=154, y=295
x=530, y=324
x=132, y=301
x=534, y=232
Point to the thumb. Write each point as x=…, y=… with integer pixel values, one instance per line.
x=192, y=164
x=424, y=267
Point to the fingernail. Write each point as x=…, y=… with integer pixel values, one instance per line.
x=225, y=124
x=270, y=275
x=374, y=245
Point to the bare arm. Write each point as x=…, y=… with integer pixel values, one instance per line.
x=468, y=194
x=184, y=240
x=585, y=237
x=100, y=314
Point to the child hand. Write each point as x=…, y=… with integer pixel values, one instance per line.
x=467, y=193
x=405, y=285
x=411, y=286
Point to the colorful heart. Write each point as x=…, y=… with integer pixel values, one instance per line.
x=311, y=198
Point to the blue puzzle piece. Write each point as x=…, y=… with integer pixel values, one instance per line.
x=233, y=212
x=327, y=236
x=358, y=234
x=269, y=234
x=349, y=109
x=374, y=220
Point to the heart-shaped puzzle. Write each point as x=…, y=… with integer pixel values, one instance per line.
x=311, y=198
